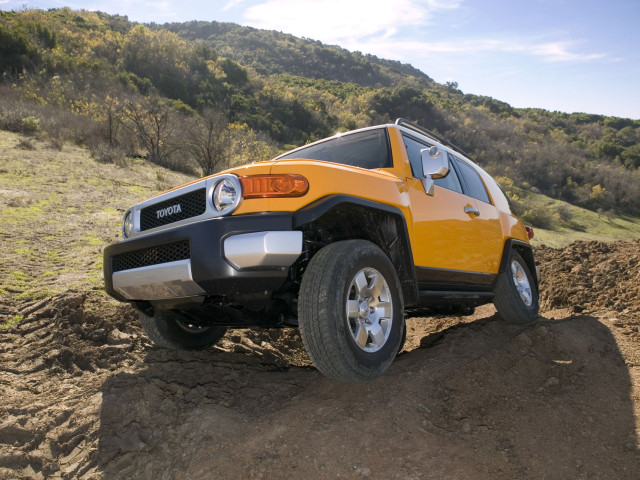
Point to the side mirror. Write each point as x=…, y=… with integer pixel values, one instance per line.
x=434, y=165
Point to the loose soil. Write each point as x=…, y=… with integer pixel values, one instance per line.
x=84, y=394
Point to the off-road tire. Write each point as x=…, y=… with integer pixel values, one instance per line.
x=168, y=329
x=516, y=294
x=338, y=337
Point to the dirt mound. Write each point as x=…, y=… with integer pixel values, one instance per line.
x=85, y=394
x=592, y=276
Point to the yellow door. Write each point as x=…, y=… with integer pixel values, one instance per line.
x=456, y=229
x=448, y=234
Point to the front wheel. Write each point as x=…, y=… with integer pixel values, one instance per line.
x=516, y=295
x=350, y=311
x=169, y=329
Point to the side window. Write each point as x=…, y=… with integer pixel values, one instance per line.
x=451, y=181
x=474, y=186
x=413, y=147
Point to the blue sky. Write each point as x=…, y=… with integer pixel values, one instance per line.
x=566, y=55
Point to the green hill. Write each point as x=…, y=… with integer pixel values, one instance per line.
x=271, y=53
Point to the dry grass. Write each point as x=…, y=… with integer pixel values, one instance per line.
x=59, y=208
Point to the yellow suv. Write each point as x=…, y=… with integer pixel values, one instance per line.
x=340, y=237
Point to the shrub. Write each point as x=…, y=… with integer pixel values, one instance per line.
x=564, y=213
x=105, y=153
x=537, y=217
x=56, y=143
x=29, y=125
x=26, y=144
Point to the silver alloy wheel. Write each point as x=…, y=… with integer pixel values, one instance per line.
x=369, y=309
x=521, y=282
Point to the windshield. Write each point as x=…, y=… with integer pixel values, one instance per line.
x=366, y=149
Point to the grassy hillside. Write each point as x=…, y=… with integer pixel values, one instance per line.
x=59, y=208
x=559, y=223
x=582, y=224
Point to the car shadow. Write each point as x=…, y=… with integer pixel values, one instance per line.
x=546, y=400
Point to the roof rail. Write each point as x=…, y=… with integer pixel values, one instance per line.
x=434, y=136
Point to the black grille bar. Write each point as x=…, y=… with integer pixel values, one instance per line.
x=170, y=252
x=173, y=210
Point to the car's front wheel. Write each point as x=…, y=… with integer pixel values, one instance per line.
x=169, y=329
x=516, y=295
x=350, y=311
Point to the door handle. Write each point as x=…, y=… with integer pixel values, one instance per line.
x=473, y=210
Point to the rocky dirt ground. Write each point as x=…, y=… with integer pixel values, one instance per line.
x=84, y=394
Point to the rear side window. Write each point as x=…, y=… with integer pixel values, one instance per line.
x=474, y=186
x=368, y=149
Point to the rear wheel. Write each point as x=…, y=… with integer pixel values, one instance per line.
x=169, y=329
x=350, y=311
x=516, y=295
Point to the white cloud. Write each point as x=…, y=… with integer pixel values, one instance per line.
x=161, y=9
x=231, y=4
x=340, y=21
x=404, y=30
x=560, y=52
x=408, y=50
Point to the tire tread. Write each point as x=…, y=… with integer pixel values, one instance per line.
x=163, y=331
x=323, y=344
x=507, y=302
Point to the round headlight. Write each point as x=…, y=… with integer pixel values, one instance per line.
x=225, y=194
x=127, y=225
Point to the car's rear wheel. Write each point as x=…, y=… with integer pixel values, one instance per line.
x=169, y=329
x=350, y=311
x=516, y=295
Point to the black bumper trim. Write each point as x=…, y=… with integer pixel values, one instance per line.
x=170, y=252
x=210, y=270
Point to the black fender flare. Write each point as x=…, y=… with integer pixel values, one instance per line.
x=399, y=250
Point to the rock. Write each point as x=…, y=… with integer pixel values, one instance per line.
x=466, y=426
x=541, y=331
x=116, y=337
x=525, y=339
x=364, y=472
x=551, y=382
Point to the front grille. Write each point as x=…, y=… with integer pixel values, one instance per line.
x=173, y=210
x=170, y=252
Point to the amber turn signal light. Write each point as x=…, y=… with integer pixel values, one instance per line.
x=274, y=186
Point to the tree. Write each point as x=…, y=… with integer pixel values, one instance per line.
x=631, y=156
x=156, y=127
x=248, y=146
x=209, y=141
x=452, y=87
x=110, y=110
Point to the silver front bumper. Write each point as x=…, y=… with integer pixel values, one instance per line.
x=157, y=282
x=263, y=249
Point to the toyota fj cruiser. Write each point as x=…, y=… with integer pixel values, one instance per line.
x=340, y=237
